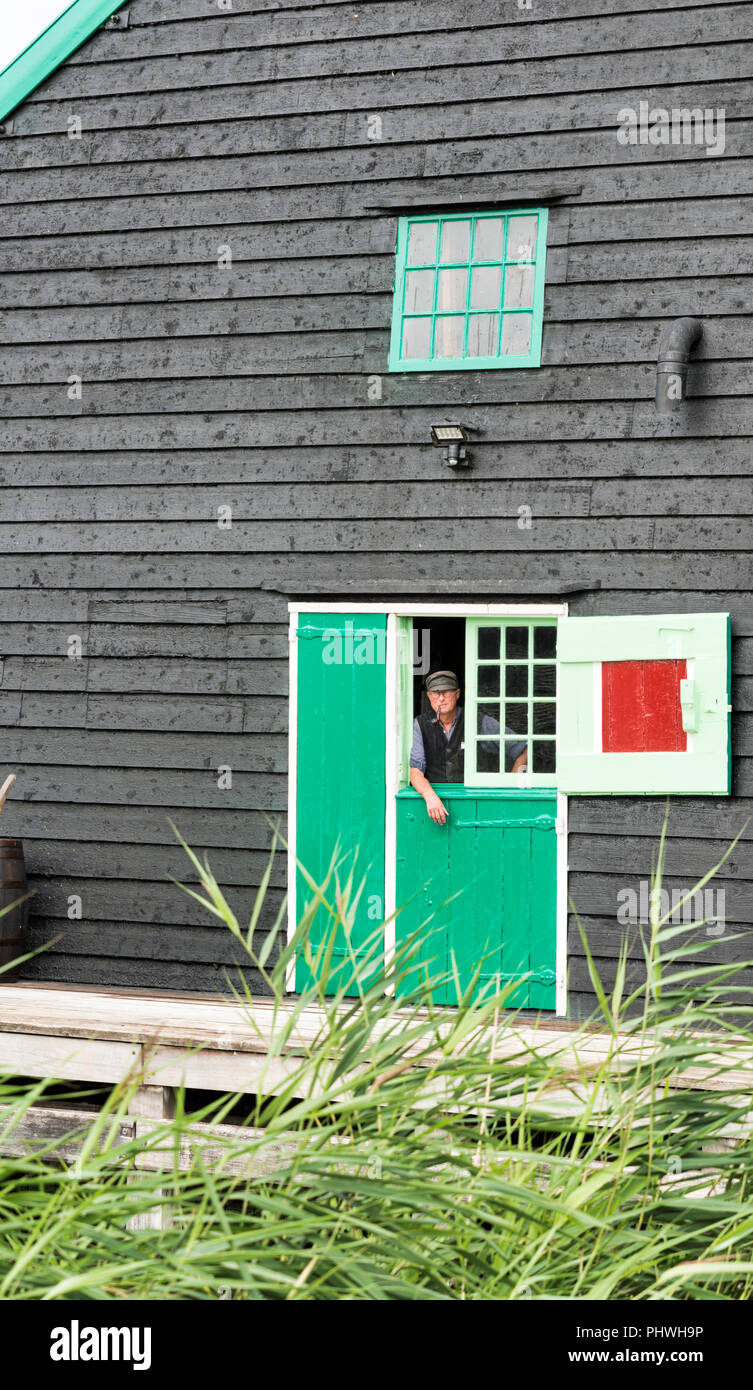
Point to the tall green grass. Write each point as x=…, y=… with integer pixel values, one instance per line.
x=413, y=1152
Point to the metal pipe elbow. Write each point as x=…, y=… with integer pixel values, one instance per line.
x=675, y=345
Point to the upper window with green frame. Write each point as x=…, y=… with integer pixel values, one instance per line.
x=469, y=291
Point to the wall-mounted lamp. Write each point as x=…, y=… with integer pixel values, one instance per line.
x=453, y=438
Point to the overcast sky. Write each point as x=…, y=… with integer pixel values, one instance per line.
x=22, y=21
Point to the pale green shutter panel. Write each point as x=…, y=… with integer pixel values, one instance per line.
x=340, y=753
x=616, y=735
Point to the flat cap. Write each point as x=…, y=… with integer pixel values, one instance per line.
x=442, y=680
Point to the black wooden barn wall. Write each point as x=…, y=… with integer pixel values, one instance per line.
x=205, y=386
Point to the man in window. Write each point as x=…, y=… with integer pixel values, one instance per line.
x=438, y=751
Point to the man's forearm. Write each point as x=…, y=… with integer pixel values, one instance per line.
x=420, y=782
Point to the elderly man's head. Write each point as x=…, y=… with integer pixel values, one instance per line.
x=443, y=691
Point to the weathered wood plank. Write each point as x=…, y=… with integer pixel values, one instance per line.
x=69, y=822
x=375, y=575
x=85, y=858
x=262, y=752
x=514, y=42
x=338, y=465
x=557, y=150
x=147, y=675
x=149, y=787
x=63, y=1131
x=337, y=352
x=207, y=126
x=202, y=630
x=473, y=534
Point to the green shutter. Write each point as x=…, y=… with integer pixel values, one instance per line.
x=77, y=22
x=340, y=777
x=702, y=642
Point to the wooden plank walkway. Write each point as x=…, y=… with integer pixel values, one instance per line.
x=205, y=1042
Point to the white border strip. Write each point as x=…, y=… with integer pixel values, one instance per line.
x=438, y=610
x=292, y=782
x=598, y=711
x=560, y=1005
x=392, y=769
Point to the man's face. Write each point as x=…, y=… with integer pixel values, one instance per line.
x=444, y=702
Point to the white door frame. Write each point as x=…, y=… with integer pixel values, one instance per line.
x=393, y=611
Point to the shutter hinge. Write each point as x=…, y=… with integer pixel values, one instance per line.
x=508, y=823
x=6, y=128
x=120, y=20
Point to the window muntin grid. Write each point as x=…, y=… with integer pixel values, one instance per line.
x=511, y=676
x=469, y=290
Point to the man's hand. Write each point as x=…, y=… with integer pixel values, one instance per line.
x=436, y=809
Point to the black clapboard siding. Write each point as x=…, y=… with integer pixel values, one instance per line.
x=404, y=125
x=607, y=459
x=227, y=46
x=249, y=387
x=71, y=823
x=557, y=152
x=345, y=352
x=372, y=573
x=690, y=68
x=231, y=125
x=58, y=858
x=134, y=973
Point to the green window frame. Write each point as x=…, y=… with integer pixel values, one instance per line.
x=516, y=657
x=469, y=290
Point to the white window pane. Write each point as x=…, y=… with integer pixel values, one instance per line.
x=519, y=287
x=483, y=330
x=417, y=338
x=422, y=243
x=488, y=242
x=516, y=334
x=448, y=336
x=452, y=288
x=456, y=241
x=521, y=239
x=485, y=287
x=419, y=291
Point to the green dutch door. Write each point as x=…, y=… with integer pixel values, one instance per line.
x=482, y=891
x=340, y=777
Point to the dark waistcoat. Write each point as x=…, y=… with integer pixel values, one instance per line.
x=444, y=757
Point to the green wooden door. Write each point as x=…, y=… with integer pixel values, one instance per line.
x=482, y=889
x=340, y=775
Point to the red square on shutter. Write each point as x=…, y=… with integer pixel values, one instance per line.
x=640, y=707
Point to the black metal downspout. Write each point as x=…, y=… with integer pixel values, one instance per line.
x=675, y=344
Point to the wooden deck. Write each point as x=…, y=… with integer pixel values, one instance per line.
x=205, y=1042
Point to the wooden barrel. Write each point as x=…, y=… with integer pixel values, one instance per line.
x=13, y=886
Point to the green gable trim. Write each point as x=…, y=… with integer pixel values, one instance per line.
x=72, y=28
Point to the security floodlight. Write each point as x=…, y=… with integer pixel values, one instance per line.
x=452, y=438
